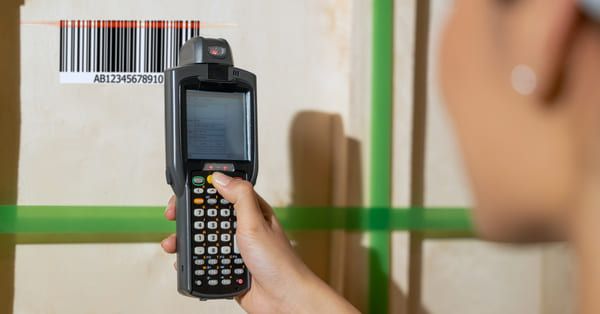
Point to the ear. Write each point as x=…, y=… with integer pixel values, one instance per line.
x=554, y=44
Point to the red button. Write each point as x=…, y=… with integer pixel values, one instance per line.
x=240, y=281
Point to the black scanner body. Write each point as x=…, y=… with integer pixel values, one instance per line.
x=205, y=70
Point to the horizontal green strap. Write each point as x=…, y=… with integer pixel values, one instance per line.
x=149, y=219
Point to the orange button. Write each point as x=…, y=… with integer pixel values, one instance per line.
x=198, y=201
x=209, y=179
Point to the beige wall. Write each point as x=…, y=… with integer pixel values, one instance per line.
x=85, y=135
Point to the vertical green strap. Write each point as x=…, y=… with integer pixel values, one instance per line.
x=381, y=149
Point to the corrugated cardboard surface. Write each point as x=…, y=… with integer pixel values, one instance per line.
x=104, y=145
x=92, y=144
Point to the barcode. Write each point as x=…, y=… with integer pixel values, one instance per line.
x=104, y=47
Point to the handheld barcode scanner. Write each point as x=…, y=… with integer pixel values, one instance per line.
x=210, y=109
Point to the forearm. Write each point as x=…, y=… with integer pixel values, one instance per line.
x=589, y=276
x=584, y=235
x=315, y=296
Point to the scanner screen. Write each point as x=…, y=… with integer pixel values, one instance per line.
x=217, y=125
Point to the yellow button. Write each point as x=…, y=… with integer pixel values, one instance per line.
x=198, y=201
x=209, y=179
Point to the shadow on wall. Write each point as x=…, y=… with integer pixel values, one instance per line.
x=326, y=171
x=10, y=119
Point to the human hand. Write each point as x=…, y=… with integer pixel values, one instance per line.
x=281, y=282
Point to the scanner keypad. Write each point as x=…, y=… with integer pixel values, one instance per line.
x=218, y=267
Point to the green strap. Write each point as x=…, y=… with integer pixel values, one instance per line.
x=126, y=219
x=381, y=154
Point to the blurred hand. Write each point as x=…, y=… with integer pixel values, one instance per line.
x=281, y=283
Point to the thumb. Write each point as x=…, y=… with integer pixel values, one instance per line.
x=241, y=194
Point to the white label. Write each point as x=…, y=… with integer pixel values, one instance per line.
x=111, y=78
x=121, y=52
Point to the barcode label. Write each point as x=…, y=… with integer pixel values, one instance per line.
x=121, y=52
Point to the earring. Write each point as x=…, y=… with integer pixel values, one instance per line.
x=523, y=79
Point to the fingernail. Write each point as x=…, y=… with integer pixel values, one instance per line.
x=221, y=179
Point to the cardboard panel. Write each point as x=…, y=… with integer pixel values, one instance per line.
x=10, y=119
x=91, y=144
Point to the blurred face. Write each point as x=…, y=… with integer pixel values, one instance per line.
x=518, y=149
